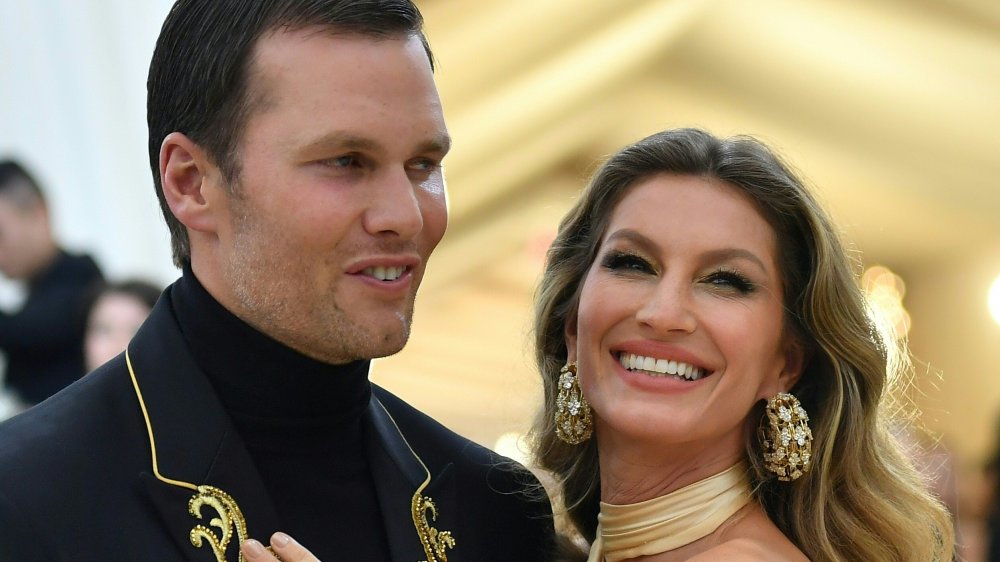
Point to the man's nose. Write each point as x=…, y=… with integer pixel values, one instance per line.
x=395, y=207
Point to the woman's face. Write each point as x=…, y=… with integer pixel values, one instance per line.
x=680, y=323
x=113, y=321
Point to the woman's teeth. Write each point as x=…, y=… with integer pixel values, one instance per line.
x=385, y=273
x=660, y=367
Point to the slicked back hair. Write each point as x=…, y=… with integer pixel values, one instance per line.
x=199, y=77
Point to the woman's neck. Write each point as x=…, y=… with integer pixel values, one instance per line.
x=633, y=473
x=673, y=520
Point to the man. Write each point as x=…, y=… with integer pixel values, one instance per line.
x=296, y=147
x=43, y=340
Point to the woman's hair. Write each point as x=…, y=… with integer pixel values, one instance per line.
x=142, y=291
x=862, y=498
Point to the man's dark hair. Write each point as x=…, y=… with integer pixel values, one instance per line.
x=198, y=78
x=19, y=186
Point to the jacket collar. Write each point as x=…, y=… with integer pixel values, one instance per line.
x=419, y=511
x=199, y=464
x=195, y=451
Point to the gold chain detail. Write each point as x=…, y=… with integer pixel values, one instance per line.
x=435, y=542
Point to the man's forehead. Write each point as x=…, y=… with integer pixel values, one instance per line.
x=288, y=53
x=283, y=35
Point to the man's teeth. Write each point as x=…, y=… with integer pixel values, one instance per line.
x=385, y=273
x=659, y=367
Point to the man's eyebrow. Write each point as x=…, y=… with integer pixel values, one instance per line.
x=347, y=141
x=340, y=141
x=441, y=143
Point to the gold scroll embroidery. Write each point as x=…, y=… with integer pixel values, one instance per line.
x=435, y=542
x=229, y=519
x=229, y=514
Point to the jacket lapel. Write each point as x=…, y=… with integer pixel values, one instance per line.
x=404, y=486
x=197, y=452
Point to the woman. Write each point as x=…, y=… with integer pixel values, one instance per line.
x=115, y=313
x=712, y=380
x=698, y=314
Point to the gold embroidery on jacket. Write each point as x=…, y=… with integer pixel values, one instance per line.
x=229, y=518
x=435, y=542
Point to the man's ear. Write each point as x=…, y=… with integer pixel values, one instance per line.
x=187, y=175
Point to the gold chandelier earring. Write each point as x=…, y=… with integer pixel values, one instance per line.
x=787, y=440
x=573, y=422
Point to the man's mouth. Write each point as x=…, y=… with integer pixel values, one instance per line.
x=660, y=367
x=385, y=273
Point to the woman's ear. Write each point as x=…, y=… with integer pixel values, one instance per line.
x=794, y=357
x=569, y=331
x=186, y=174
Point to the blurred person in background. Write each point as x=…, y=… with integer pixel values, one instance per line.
x=115, y=313
x=43, y=340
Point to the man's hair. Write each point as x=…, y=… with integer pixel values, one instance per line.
x=18, y=186
x=199, y=76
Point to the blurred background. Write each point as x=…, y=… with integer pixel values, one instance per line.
x=890, y=108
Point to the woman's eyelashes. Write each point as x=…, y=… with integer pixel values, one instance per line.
x=619, y=261
x=723, y=278
x=728, y=278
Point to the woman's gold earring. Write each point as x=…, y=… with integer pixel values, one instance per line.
x=573, y=422
x=787, y=440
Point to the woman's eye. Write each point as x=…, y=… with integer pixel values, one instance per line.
x=731, y=280
x=625, y=262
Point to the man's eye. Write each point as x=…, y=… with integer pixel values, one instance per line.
x=424, y=165
x=346, y=161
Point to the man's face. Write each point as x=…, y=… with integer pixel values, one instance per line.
x=20, y=230
x=340, y=198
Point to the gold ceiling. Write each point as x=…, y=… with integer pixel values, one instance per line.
x=890, y=108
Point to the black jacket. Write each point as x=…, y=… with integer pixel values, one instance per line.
x=78, y=480
x=43, y=341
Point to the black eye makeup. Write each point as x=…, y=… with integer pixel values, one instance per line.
x=620, y=261
x=731, y=279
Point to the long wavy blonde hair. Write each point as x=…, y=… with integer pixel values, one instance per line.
x=862, y=499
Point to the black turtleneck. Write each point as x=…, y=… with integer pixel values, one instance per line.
x=301, y=420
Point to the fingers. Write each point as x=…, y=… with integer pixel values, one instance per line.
x=284, y=548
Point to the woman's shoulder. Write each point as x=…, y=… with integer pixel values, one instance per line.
x=750, y=550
